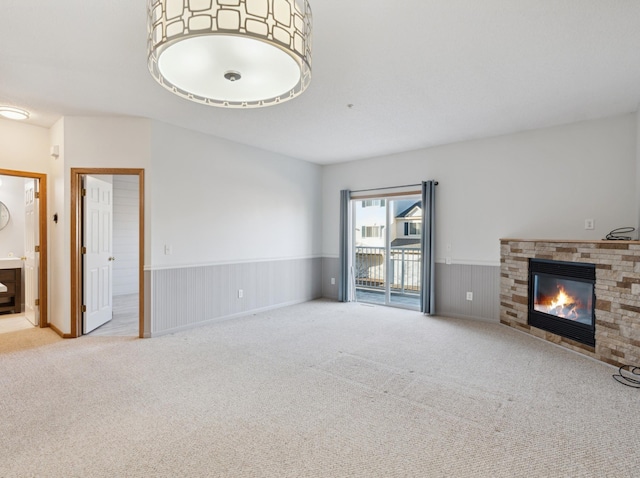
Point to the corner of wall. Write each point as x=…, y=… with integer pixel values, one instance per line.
x=59, y=235
x=638, y=171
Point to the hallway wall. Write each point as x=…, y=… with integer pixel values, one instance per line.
x=125, y=234
x=12, y=236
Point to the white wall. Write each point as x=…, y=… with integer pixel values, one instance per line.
x=638, y=164
x=125, y=234
x=12, y=236
x=107, y=142
x=534, y=184
x=87, y=142
x=215, y=201
x=24, y=147
x=59, y=257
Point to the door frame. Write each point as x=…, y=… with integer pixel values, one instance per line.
x=43, y=273
x=388, y=218
x=76, y=243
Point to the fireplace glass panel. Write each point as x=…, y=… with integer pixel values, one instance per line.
x=565, y=298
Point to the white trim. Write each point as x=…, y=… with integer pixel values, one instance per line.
x=494, y=321
x=225, y=263
x=385, y=194
x=330, y=256
x=225, y=317
x=469, y=262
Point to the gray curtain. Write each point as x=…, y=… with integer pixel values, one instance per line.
x=427, y=297
x=345, y=250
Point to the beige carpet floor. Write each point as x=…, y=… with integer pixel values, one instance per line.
x=320, y=389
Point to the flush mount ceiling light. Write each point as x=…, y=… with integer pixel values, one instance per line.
x=231, y=53
x=14, y=113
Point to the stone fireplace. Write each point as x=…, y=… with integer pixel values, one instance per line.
x=562, y=299
x=583, y=295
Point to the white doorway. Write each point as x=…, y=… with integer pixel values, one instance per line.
x=23, y=250
x=110, y=229
x=31, y=251
x=107, y=252
x=97, y=251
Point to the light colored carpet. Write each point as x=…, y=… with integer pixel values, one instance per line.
x=316, y=390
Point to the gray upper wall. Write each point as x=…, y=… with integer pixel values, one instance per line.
x=534, y=184
x=217, y=201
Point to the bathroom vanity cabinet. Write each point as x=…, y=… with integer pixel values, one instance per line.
x=10, y=301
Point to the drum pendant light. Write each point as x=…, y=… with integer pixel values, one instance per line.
x=231, y=53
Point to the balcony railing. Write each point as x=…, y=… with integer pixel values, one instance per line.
x=405, y=269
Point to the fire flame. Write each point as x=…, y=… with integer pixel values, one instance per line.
x=563, y=305
x=561, y=299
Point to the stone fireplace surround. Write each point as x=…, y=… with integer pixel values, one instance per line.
x=617, y=292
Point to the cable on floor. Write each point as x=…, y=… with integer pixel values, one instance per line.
x=628, y=376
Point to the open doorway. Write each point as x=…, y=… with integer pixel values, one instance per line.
x=107, y=252
x=23, y=250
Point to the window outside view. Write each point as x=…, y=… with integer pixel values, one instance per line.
x=390, y=273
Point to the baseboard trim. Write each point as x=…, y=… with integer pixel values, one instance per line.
x=225, y=318
x=59, y=332
x=227, y=263
x=467, y=317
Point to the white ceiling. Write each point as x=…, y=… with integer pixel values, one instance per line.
x=418, y=72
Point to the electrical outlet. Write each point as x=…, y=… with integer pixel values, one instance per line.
x=333, y=281
x=168, y=249
x=240, y=293
x=469, y=295
x=447, y=260
x=589, y=224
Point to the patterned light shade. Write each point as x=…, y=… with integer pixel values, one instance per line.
x=231, y=53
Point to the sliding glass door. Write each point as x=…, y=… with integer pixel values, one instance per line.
x=387, y=255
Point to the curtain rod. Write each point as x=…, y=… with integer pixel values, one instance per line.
x=390, y=187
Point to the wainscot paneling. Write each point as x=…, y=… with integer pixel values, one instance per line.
x=186, y=297
x=452, y=284
x=453, y=281
x=330, y=270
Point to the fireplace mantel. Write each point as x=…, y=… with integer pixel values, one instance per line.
x=570, y=241
x=617, y=291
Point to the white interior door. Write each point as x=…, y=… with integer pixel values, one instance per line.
x=32, y=259
x=98, y=257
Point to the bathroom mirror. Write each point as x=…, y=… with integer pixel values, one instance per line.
x=4, y=215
